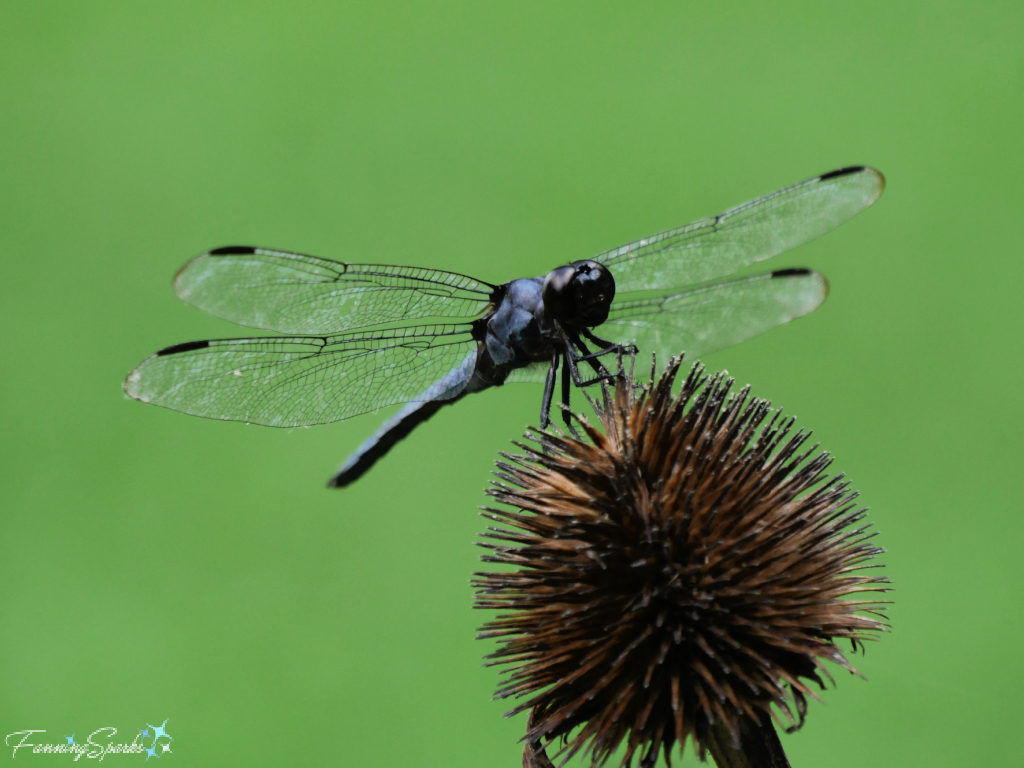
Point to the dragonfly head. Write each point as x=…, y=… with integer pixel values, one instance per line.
x=580, y=293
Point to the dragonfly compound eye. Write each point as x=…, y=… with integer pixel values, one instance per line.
x=580, y=293
x=556, y=294
x=593, y=289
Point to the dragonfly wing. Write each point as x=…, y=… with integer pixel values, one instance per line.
x=534, y=373
x=713, y=317
x=712, y=248
x=301, y=381
x=294, y=293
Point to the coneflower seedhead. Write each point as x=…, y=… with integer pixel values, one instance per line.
x=682, y=573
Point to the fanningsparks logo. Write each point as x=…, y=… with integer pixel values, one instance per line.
x=151, y=741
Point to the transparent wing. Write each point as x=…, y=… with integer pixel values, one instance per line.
x=712, y=248
x=294, y=293
x=301, y=381
x=713, y=317
x=534, y=373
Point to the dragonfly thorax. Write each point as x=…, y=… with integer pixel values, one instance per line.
x=579, y=294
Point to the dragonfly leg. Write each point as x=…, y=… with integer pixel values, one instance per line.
x=549, y=391
x=571, y=358
x=593, y=358
x=610, y=349
x=566, y=402
x=602, y=343
x=609, y=346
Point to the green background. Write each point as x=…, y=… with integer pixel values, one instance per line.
x=158, y=566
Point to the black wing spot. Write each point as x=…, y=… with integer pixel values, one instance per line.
x=792, y=272
x=188, y=346
x=842, y=172
x=233, y=250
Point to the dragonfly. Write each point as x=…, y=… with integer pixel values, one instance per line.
x=360, y=337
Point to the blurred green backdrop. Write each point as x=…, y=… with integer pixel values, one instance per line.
x=158, y=566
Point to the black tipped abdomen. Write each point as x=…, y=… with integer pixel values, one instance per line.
x=233, y=250
x=842, y=172
x=188, y=346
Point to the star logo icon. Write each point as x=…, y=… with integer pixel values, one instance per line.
x=71, y=739
x=158, y=730
x=145, y=733
x=151, y=753
x=167, y=748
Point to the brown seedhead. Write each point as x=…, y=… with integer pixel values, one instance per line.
x=682, y=572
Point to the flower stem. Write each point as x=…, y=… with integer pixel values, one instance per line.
x=759, y=746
